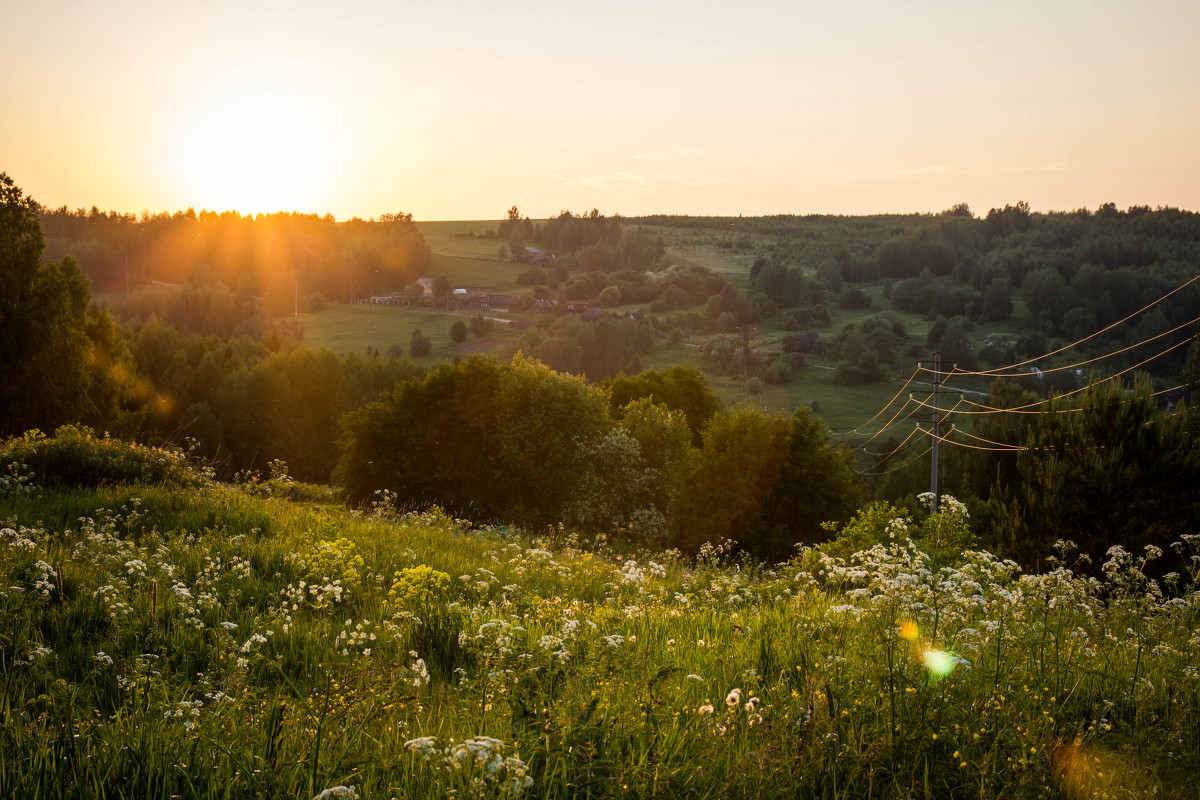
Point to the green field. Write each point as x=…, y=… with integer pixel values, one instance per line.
x=347, y=328
x=186, y=638
x=471, y=262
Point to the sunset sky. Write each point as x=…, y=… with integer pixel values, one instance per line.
x=462, y=108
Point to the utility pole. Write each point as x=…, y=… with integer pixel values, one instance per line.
x=933, y=479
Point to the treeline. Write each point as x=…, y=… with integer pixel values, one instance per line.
x=1106, y=465
x=653, y=459
x=277, y=257
x=647, y=455
x=246, y=404
x=591, y=242
x=1064, y=275
x=201, y=362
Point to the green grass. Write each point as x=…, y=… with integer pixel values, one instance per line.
x=215, y=642
x=352, y=328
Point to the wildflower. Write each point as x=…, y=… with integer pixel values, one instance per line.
x=733, y=699
x=344, y=792
x=705, y=709
x=103, y=658
x=423, y=745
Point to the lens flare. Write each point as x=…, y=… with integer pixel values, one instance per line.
x=938, y=662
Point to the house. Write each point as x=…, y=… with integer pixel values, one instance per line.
x=577, y=308
x=485, y=302
x=388, y=299
x=545, y=305
x=536, y=256
x=502, y=302
x=426, y=286
x=470, y=302
x=805, y=342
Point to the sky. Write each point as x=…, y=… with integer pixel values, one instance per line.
x=459, y=109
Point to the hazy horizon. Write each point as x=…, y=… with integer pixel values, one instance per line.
x=457, y=112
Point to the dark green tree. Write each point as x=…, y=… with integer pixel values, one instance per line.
x=1107, y=468
x=419, y=345
x=679, y=388
x=816, y=485
x=493, y=441
x=729, y=479
x=45, y=351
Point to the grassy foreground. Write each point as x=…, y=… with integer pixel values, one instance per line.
x=160, y=641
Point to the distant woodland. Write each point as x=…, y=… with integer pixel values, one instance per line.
x=1071, y=273
x=567, y=426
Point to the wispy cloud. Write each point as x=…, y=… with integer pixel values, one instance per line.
x=1062, y=167
x=941, y=170
x=637, y=182
x=683, y=152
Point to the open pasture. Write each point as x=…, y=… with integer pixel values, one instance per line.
x=226, y=641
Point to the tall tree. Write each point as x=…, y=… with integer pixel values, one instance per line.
x=44, y=347
x=730, y=477
x=1108, y=469
x=816, y=485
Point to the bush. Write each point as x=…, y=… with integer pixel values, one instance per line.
x=853, y=297
x=74, y=457
x=481, y=326
x=493, y=441
x=420, y=344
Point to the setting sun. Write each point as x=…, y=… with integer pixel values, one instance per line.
x=257, y=151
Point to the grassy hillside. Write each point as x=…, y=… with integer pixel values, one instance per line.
x=187, y=638
x=472, y=261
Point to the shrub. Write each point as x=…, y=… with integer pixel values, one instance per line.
x=481, y=326
x=420, y=344
x=74, y=457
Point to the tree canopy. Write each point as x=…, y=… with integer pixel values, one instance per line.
x=52, y=344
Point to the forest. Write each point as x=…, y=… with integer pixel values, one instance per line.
x=209, y=365
x=235, y=565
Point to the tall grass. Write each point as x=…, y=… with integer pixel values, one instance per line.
x=206, y=642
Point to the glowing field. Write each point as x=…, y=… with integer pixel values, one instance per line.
x=188, y=638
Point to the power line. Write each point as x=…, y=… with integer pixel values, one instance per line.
x=898, y=447
x=902, y=466
x=1089, y=336
x=1000, y=444
x=995, y=374
x=899, y=411
x=889, y=402
x=999, y=372
x=1021, y=409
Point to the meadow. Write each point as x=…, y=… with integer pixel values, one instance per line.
x=472, y=262
x=167, y=635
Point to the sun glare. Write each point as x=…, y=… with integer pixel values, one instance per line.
x=256, y=152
